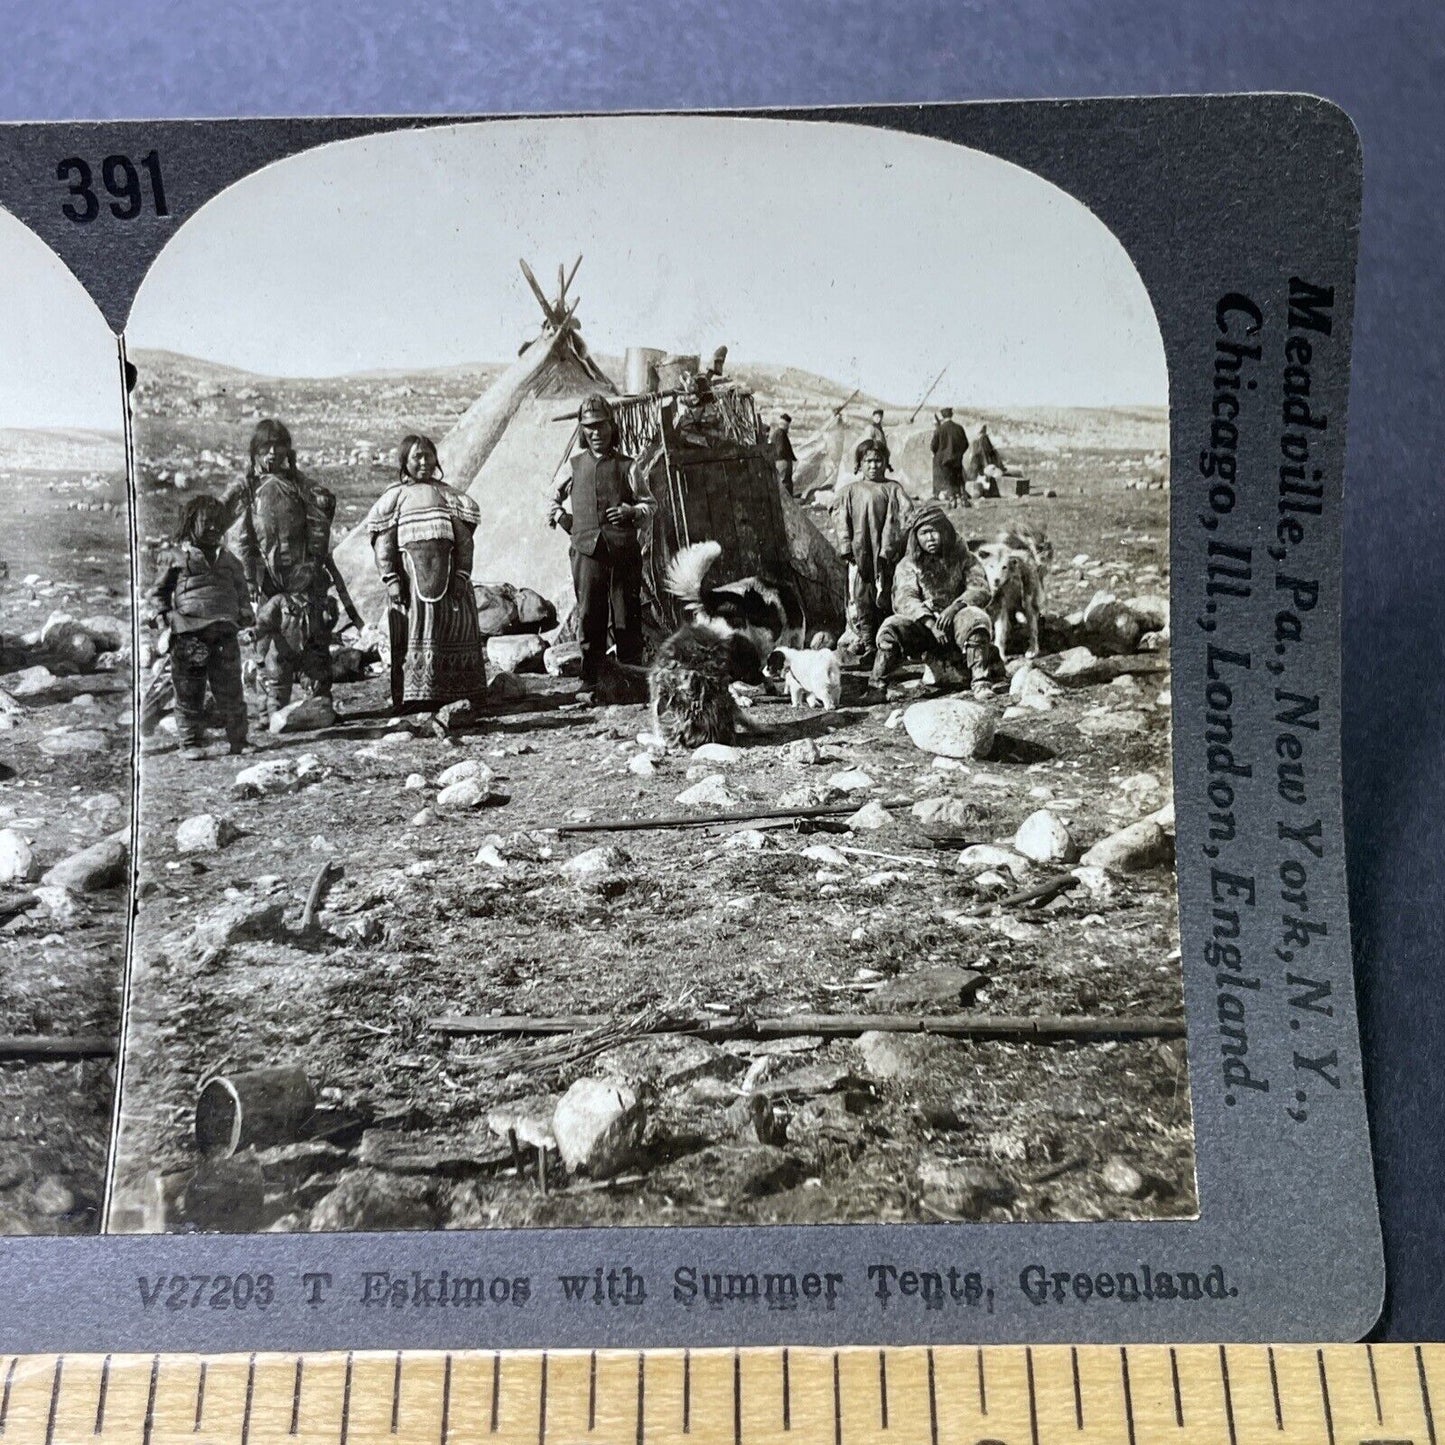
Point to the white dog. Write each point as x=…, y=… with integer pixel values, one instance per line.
x=814, y=676
x=1017, y=594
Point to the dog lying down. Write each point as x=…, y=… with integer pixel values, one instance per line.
x=733, y=629
x=813, y=676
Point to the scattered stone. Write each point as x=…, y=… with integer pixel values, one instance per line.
x=366, y=1199
x=826, y=854
x=305, y=715
x=1120, y=1177
x=268, y=779
x=968, y=1190
x=470, y=770
x=1096, y=880
x=720, y=753
x=534, y=612
x=1133, y=849
x=1114, y=629
x=520, y=653
x=851, y=780
x=58, y=903
x=598, y=1127
x=529, y=1117
x=711, y=792
x=753, y=840
x=986, y=855
x=52, y=1197
x=944, y=986
x=801, y=750
x=606, y=859
x=901, y=1056
x=30, y=682
x=642, y=765
x=1076, y=662
x=1152, y=610
x=489, y=856
x=1127, y=721
x=69, y=741
x=454, y=716
x=16, y=859
x=435, y=1152
x=206, y=833
x=1043, y=837
x=414, y=783
x=665, y=1061
x=1155, y=642
x=953, y=727
x=563, y=659
x=103, y=865
x=871, y=816
x=246, y=920
x=805, y=796
x=462, y=796
x=424, y=819
x=1034, y=688
x=947, y=815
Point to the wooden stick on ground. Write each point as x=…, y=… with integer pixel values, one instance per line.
x=38, y=1047
x=716, y=1030
x=321, y=885
x=697, y=820
x=1038, y=894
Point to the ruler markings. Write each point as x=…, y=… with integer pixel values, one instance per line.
x=1228, y=1396
x=1324, y=1396
x=1128, y=1392
x=149, y=1426
x=1078, y=1389
x=787, y=1395
x=200, y=1399
x=1033, y=1399
x=1374, y=1384
x=296, y=1395
x=54, y=1400
x=1178, y=1393
x=250, y=1400
x=5, y=1398
x=1425, y=1395
x=100, y=1398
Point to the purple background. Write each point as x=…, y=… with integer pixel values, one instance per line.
x=1384, y=62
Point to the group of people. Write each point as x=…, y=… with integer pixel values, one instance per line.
x=915, y=588
x=255, y=566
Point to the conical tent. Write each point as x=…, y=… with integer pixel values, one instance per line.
x=504, y=451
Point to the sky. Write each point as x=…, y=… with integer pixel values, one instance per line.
x=58, y=365
x=872, y=258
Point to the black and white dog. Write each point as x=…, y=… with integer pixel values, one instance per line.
x=733, y=630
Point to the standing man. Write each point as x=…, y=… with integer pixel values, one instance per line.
x=875, y=432
x=949, y=447
x=781, y=446
x=608, y=507
x=872, y=521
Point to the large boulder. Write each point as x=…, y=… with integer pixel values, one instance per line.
x=246, y=920
x=598, y=1127
x=950, y=727
x=1133, y=849
x=1044, y=837
x=522, y=652
x=205, y=833
x=534, y=612
x=366, y=1199
x=1114, y=629
x=497, y=613
x=304, y=715
x=103, y=865
x=75, y=742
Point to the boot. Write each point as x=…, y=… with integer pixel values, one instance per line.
x=885, y=660
x=988, y=677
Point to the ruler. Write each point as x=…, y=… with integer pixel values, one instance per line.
x=945, y=1395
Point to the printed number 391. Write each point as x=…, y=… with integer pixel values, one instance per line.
x=121, y=179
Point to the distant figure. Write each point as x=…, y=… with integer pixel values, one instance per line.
x=697, y=422
x=609, y=503
x=875, y=432
x=949, y=447
x=200, y=594
x=421, y=532
x=872, y=517
x=982, y=465
x=781, y=446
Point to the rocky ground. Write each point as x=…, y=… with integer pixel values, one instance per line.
x=65, y=713
x=461, y=894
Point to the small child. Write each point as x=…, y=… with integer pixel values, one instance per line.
x=200, y=593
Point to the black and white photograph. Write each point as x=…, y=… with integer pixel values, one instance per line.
x=65, y=740
x=654, y=693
